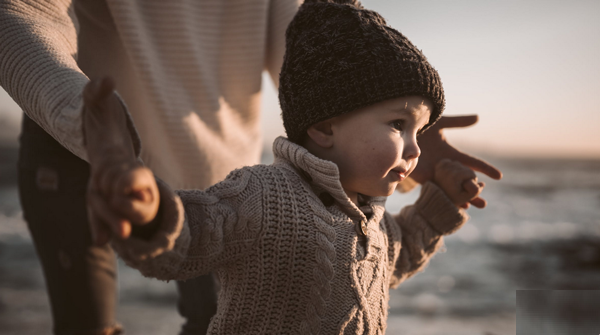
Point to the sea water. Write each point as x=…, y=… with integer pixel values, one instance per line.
x=540, y=231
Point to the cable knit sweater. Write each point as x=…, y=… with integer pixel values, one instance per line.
x=289, y=248
x=189, y=71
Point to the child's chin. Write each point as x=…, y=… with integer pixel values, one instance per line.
x=385, y=193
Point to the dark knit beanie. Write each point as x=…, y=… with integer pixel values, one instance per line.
x=340, y=57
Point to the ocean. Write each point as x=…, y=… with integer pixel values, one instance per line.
x=540, y=231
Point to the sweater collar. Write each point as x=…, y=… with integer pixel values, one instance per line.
x=324, y=176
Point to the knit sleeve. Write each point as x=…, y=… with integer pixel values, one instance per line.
x=200, y=231
x=38, y=67
x=416, y=233
x=281, y=13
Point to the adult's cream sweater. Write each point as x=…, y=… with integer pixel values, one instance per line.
x=189, y=72
x=287, y=245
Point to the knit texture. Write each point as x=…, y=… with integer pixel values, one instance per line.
x=190, y=72
x=287, y=262
x=341, y=57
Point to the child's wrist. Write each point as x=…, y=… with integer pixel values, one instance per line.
x=447, y=193
x=438, y=209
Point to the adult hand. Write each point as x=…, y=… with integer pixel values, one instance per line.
x=435, y=147
x=121, y=191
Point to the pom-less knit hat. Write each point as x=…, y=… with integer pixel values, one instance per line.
x=340, y=57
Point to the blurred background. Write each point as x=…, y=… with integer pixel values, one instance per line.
x=531, y=70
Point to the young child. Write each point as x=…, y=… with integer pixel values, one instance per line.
x=303, y=245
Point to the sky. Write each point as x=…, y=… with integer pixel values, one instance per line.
x=530, y=69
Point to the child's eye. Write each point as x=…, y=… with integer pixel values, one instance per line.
x=398, y=124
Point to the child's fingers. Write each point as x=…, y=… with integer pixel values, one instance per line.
x=136, y=211
x=471, y=187
x=136, y=195
x=118, y=226
x=478, y=202
x=138, y=183
x=474, y=190
x=460, y=184
x=452, y=170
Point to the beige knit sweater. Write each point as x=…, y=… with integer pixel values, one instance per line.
x=285, y=242
x=189, y=71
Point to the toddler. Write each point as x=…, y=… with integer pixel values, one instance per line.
x=303, y=245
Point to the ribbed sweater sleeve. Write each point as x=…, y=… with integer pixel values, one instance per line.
x=220, y=224
x=38, y=67
x=417, y=231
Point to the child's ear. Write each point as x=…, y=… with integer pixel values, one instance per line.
x=321, y=133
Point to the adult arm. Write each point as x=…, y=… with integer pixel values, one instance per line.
x=38, y=68
x=416, y=233
x=281, y=14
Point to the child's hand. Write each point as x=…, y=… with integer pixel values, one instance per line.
x=121, y=191
x=119, y=195
x=459, y=183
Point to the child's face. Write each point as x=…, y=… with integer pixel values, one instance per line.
x=376, y=147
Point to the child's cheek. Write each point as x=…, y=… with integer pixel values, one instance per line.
x=384, y=163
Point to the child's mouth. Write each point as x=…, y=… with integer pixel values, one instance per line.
x=400, y=174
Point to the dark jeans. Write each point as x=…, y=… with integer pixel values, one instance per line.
x=81, y=278
x=197, y=303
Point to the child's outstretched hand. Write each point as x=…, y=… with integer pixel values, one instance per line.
x=121, y=191
x=459, y=183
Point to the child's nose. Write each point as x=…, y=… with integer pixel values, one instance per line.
x=411, y=149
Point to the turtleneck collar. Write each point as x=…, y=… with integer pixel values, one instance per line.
x=324, y=176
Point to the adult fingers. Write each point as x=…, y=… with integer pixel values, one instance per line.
x=118, y=226
x=457, y=121
x=99, y=229
x=97, y=89
x=103, y=120
x=479, y=165
x=104, y=176
x=107, y=175
x=100, y=232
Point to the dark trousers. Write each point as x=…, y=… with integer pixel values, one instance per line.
x=81, y=278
